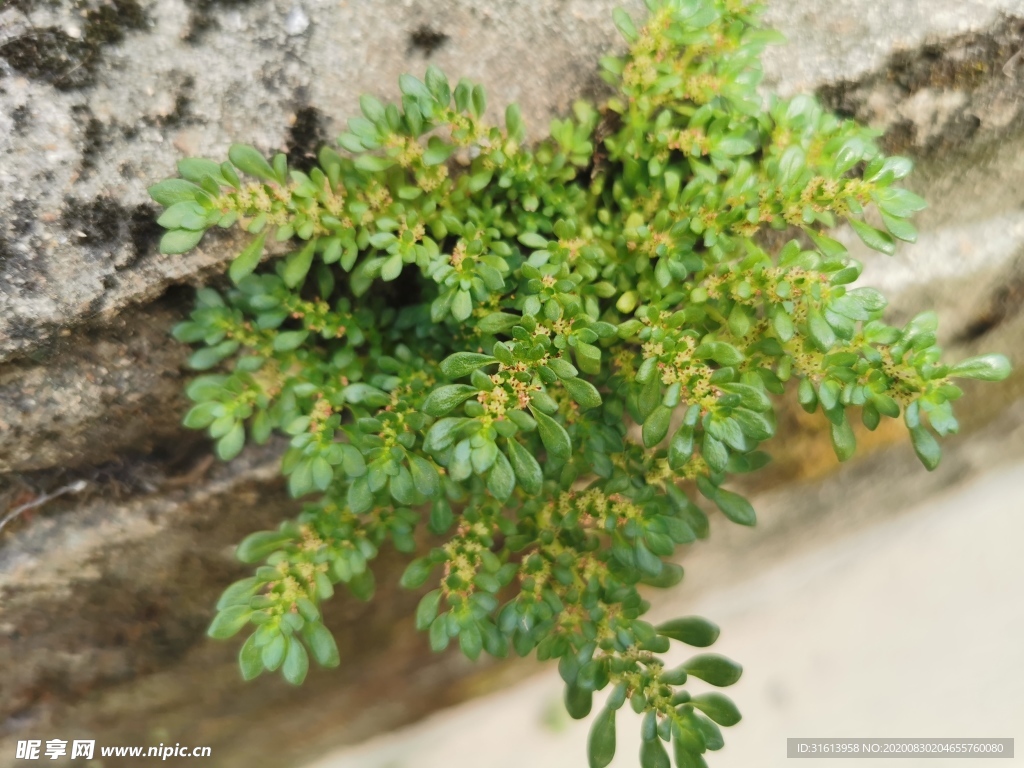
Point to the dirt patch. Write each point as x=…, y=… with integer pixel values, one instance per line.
x=6, y=253
x=426, y=40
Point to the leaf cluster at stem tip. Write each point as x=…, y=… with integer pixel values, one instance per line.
x=552, y=356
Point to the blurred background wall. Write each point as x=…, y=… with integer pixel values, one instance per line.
x=867, y=594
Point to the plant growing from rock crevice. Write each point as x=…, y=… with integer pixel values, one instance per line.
x=555, y=356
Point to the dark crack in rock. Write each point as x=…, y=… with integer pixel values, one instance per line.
x=305, y=138
x=203, y=17
x=68, y=61
x=934, y=99
x=111, y=229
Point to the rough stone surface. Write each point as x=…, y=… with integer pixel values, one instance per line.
x=104, y=595
x=102, y=633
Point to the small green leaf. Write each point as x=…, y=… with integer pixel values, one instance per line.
x=899, y=167
x=601, y=742
x=502, y=480
x=656, y=426
x=553, y=435
x=714, y=452
x=692, y=630
x=359, y=496
x=844, y=443
x=680, y=449
x=712, y=733
x=411, y=86
x=273, y=652
x=249, y=160
x=439, y=634
x=582, y=391
x=654, y=755
x=482, y=456
x=322, y=473
x=231, y=444
x=461, y=364
x=462, y=305
x=300, y=482
x=249, y=660
x=289, y=340
x=238, y=593
x=172, y=191
x=588, y=357
x=782, y=324
x=441, y=516
x=197, y=168
x=437, y=151
x=533, y=240
x=443, y=399
x=229, y=621
x=296, y=663
x=832, y=249
x=363, y=585
x=443, y=433
x=735, y=507
x=184, y=215
x=983, y=367
x=297, y=264
x=671, y=574
x=247, y=260
x=180, y=240
x=392, y=267
x=685, y=756
x=471, y=641
x=820, y=331
x=479, y=99
x=900, y=228
x=497, y=322
x=424, y=476
x=926, y=447
x=402, y=488
x=514, y=122
x=578, y=701
x=322, y=644
x=624, y=23
x=256, y=546
x=438, y=86
x=714, y=669
x=426, y=611
x=373, y=163
x=527, y=470
x=719, y=351
x=416, y=573
x=202, y=415
x=792, y=162
x=900, y=202
x=718, y=707
x=884, y=404
x=878, y=241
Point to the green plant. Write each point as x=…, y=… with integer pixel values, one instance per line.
x=549, y=354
